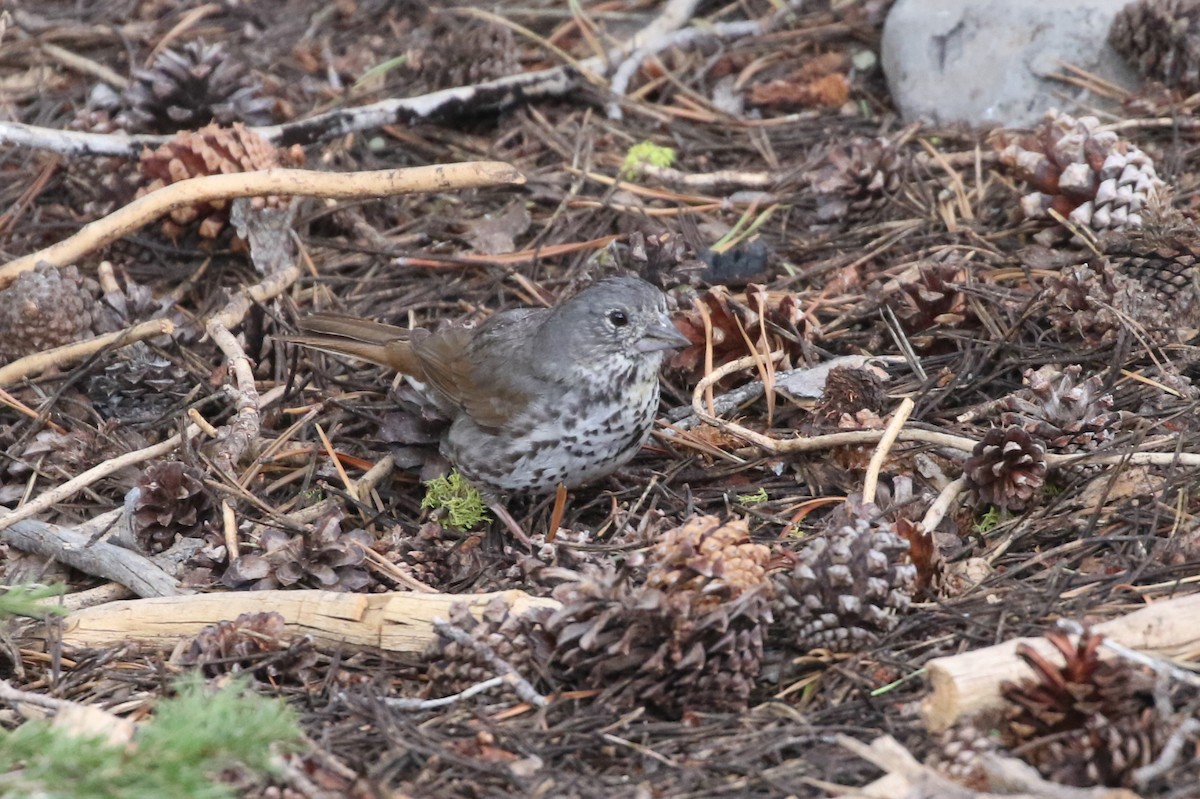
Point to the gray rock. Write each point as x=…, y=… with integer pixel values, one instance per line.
x=988, y=62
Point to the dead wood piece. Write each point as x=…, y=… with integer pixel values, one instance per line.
x=394, y=622
x=965, y=684
x=137, y=573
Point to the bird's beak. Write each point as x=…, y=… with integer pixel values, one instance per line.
x=662, y=335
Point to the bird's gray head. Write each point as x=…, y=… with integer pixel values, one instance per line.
x=614, y=317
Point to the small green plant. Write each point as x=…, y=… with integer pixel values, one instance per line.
x=646, y=152
x=757, y=498
x=460, y=505
x=26, y=600
x=988, y=521
x=180, y=753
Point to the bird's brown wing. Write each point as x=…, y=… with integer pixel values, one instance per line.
x=386, y=345
x=485, y=371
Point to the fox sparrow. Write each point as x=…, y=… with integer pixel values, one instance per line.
x=536, y=397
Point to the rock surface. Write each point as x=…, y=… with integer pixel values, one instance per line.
x=989, y=62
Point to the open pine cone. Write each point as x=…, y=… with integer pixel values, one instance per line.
x=1007, y=468
x=172, y=501
x=254, y=642
x=1093, y=177
x=515, y=639
x=1162, y=39
x=1087, y=722
x=858, y=179
x=191, y=87
x=691, y=638
x=320, y=557
x=846, y=589
x=1062, y=410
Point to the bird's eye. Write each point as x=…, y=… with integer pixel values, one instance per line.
x=618, y=318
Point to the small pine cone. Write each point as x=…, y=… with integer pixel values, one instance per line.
x=932, y=297
x=1101, y=751
x=858, y=179
x=450, y=51
x=1095, y=178
x=717, y=562
x=1164, y=259
x=191, y=87
x=643, y=646
x=138, y=385
x=212, y=150
x=172, y=501
x=320, y=557
x=515, y=639
x=1007, y=468
x=434, y=557
x=844, y=592
x=254, y=642
x=1162, y=39
x=1066, y=413
x=848, y=390
x=46, y=308
x=958, y=755
x=1096, y=304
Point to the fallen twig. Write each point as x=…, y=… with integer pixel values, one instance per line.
x=39, y=362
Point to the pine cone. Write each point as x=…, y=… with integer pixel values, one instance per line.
x=846, y=588
x=188, y=88
x=45, y=308
x=1164, y=258
x=957, y=755
x=932, y=298
x=320, y=557
x=450, y=51
x=1007, y=468
x=1162, y=39
x=1064, y=412
x=172, y=501
x=517, y=640
x=68, y=454
x=1095, y=178
x=770, y=320
x=138, y=385
x=254, y=642
x=858, y=179
x=434, y=557
x=1086, y=722
x=848, y=390
x=691, y=638
x=212, y=150
x=1096, y=304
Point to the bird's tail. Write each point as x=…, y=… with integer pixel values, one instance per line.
x=376, y=342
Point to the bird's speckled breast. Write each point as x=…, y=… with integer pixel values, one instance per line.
x=588, y=433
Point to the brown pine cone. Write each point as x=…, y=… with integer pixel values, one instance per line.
x=1062, y=410
x=692, y=640
x=1162, y=39
x=191, y=87
x=138, y=385
x=212, y=150
x=1093, y=177
x=172, y=501
x=322, y=556
x=254, y=642
x=1097, y=304
x=858, y=179
x=846, y=589
x=515, y=639
x=1007, y=468
x=932, y=298
x=45, y=308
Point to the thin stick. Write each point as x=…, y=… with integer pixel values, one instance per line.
x=51, y=497
x=871, y=480
x=39, y=362
x=146, y=209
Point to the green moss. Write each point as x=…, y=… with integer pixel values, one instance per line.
x=646, y=153
x=456, y=501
